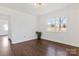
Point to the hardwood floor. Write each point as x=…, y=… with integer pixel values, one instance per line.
x=44, y=48
x=36, y=48
x=5, y=49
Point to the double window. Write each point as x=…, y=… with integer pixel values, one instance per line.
x=58, y=24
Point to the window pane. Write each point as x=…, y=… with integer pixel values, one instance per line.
x=58, y=24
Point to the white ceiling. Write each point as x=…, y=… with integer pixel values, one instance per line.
x=32, y=9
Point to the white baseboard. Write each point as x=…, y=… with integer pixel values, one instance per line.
x=76, y=45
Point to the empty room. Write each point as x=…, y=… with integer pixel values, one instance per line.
x=39, y=29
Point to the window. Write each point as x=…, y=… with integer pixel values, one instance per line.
x=5, y=27
x=58, y=24
x=51, y=24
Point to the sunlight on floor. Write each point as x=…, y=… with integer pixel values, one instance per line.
x=5, y=42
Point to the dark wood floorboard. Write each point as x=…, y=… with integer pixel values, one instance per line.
x=44, y=48
x=5, y=49
x=36, y=48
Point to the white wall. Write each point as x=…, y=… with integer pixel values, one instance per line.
x=70, y=37
x=22, y=26
x=2, y=27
